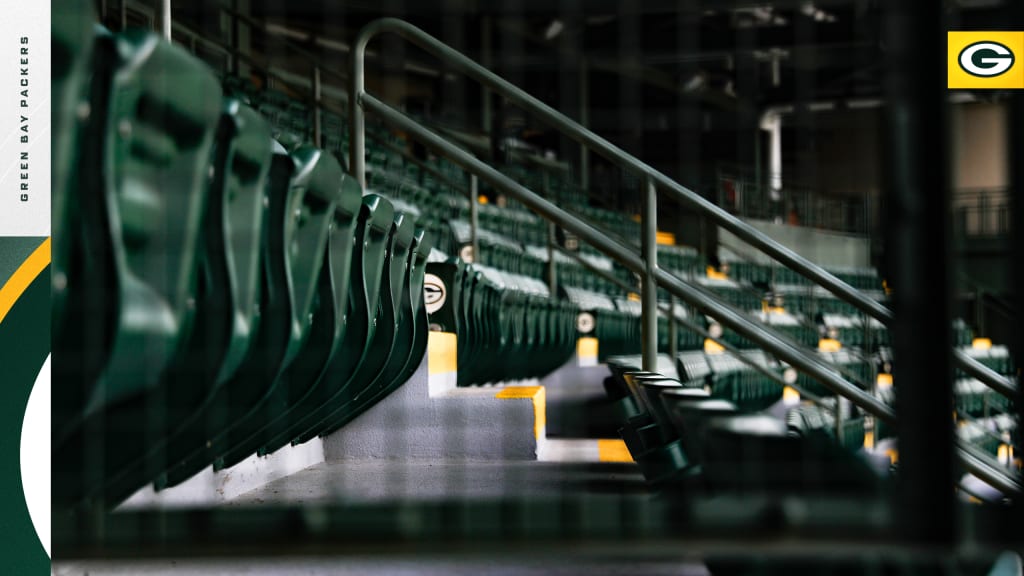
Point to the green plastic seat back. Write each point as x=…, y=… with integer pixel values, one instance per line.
x=163, y=114
x=234, y=225
x=325, y=333
x=298, y=252
x=389, y=352
x=71, y=44
x=85, y=277
x=422, y=246
x=372, y=229
x=225, y=305
x=275, y=312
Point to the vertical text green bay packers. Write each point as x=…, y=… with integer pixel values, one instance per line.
x=23, y=124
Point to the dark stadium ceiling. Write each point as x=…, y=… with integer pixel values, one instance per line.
x=763, y=53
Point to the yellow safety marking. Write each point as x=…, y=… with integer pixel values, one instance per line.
x=981, y=343
x=633, y=297
x=893, y=454
x=613, y=450
x=766, y=307
x=23, y=277
x=790, y=395
x=539, y=397
x=883, y=380
x=586, y=347
x=1005, y=454
x=869, y=440
x=665, y=238
x=482, y=199
x=715, y=274
x=712, y=347
x=442, y=352
x=829, y=345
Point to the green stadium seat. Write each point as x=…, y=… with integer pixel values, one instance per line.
x=373, y=228
x=328, y=318
x=226, y=304
x=370, y=378
x=70, y=60
x=160, y=108
x=304, y=188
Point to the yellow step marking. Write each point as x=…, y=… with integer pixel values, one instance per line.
x=613, y=450
x=539, y=397
x=981, y=343
x=829, y=345
x=712, y=347
x=442, y=352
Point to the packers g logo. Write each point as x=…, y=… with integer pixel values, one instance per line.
x=985, y=60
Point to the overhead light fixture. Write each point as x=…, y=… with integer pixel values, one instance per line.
x=695, y=83
x=554, y=29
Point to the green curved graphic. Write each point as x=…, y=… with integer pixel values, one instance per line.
x=24, y=346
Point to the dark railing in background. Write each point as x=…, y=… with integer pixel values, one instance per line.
x=981, y=212
x=748, y=196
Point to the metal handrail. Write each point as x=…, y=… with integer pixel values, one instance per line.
x=696, y=296
x=459, y=62
x=670, y=313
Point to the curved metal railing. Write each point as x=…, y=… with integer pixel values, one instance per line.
x=644, y=264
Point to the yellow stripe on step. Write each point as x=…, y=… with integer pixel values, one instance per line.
x=442, y=352
x=586, y=351
x=16, y=285
x=539, y=397
x=613, y=450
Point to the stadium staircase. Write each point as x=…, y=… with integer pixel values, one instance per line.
x=225, y=288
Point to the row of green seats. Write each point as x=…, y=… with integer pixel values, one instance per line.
x=807, y=419
x=508, y=326
x=220, y=294
x=728, y=378
x=688, y=442
x=796, y=329
x=856, y=331
x=615, y=326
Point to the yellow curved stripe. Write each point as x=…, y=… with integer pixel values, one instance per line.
x=23, y=277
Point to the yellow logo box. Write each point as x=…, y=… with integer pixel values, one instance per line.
x=985, y=60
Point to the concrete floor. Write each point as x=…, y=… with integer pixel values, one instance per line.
x=368, y=481
x=305, y=566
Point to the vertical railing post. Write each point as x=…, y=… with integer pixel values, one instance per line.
x=165, y=19
x=552, y=266
x=317, y=115
x=474, y=218
x=585, y=121
x=673, y=329
x=235, y=44
x=649, y=285
x=552, y=242
x=839, y=419
x=357, y=122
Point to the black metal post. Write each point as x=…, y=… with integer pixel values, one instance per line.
x=1016, y=201
x=918, y=250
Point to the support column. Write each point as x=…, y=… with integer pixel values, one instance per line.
x=649, y=286
x=918, y=254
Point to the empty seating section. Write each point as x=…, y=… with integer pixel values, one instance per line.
x=223, y=288
x=720, y=423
